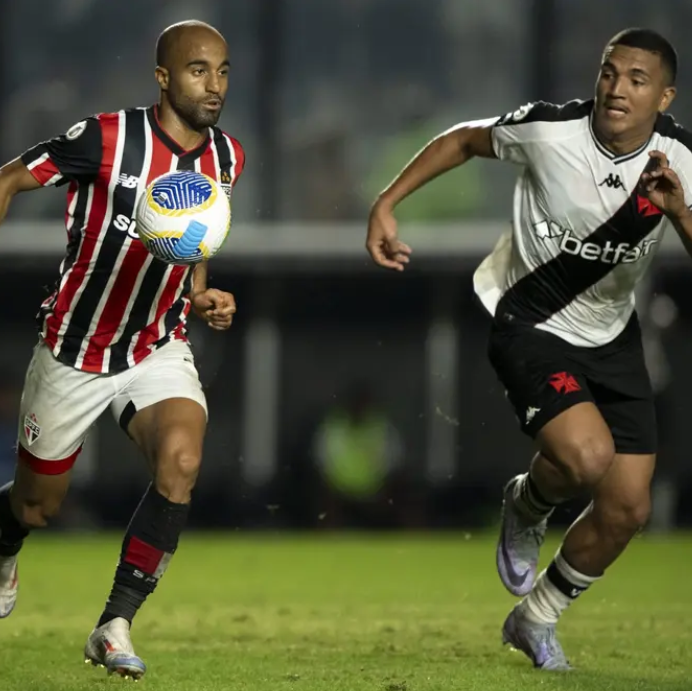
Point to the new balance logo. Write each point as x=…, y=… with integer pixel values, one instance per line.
x=613, y=182
x=608, y=253
x=129, y=181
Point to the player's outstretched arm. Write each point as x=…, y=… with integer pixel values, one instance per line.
x=15, y=177
x=449, y=150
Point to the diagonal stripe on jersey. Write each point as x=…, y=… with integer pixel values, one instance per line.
x=552, y=286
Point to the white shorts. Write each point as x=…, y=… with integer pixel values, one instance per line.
x=60, y=403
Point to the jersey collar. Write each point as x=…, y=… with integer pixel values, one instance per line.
x=615, y=158
x=152, y=115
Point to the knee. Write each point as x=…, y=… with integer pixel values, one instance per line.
x=586, y=461
x=176, y=474
x=623, y=517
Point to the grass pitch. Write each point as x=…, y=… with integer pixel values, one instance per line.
x=344, y=613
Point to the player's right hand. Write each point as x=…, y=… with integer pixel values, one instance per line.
x=383, y=243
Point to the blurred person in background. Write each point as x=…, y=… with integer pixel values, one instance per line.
x=358, y=456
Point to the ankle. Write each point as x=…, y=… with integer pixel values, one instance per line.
x=530, y=501
x=555, y=590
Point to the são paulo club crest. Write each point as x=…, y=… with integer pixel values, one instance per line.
x=32, y=430
x=226, y=184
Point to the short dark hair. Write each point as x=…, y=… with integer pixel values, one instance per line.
x=651, y=41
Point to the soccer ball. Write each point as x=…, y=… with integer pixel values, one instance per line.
x=183, y=217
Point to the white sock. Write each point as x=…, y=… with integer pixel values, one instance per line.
x=555, y=589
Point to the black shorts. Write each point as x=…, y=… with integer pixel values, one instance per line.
x=544, y=375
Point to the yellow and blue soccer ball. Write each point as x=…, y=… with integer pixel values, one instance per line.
x=183, y=217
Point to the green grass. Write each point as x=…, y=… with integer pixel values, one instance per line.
x=337, y=613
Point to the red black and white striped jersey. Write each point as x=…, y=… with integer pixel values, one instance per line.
x=113, y=303
x=582, y=234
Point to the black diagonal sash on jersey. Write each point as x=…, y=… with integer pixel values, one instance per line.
x=552, y=286
x=122, y=201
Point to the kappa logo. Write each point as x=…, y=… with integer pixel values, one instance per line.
x=613, y=182
x=531, y=413
x=32, y=430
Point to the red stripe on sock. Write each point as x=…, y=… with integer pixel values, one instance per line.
x=143, y=556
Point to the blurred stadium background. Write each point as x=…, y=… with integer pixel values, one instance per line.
x=342, y=397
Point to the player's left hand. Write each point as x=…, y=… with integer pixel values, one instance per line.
x=215, y=306
x=662, y=187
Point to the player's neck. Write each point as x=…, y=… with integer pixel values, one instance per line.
x=625, y=143
x=177, y=129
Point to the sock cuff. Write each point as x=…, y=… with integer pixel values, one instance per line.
x=529, y=501
x=157, y=522
x=569, y=573
x=536, y=495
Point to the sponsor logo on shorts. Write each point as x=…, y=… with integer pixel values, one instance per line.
x=564, y=383
x=32, y=430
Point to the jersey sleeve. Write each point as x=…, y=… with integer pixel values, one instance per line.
x=72, y=156
x=517, y=135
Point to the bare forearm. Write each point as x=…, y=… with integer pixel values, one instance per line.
x=7, y=193
x=14, y=178
x=5, y=200
x=447, y=151
x=199, y=278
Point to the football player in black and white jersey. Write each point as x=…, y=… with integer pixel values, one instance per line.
x=599, y=183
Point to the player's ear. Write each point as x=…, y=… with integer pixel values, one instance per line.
x=162, y=77
x=667, y=98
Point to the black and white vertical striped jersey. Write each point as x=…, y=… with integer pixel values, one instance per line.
x=581, y=236
x=113, y=303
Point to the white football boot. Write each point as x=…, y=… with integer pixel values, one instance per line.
x=9, y=584
x=110, y=646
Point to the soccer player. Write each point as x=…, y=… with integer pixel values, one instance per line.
x=600, y=181
x=113, y=332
